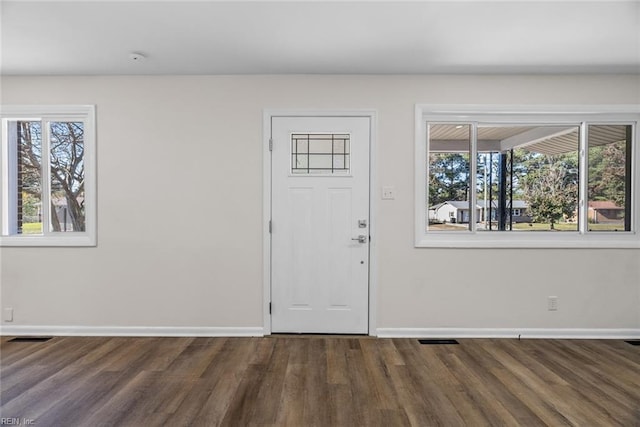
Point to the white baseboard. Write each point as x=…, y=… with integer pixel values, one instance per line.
x=566, y=333
x=129, y=331
x=161, y=331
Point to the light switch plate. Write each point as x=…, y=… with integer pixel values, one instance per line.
x=388, y=193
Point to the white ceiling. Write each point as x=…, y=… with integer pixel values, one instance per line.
x=319, y=37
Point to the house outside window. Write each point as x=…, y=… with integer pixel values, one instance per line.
x=48, y=176
x=557, y=176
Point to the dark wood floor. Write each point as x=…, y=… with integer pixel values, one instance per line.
x=319, y=381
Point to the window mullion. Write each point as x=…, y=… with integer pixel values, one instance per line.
x=583, y=205
x=10, y=177
x=629, y=182
x=473, y=157
x=46, y=177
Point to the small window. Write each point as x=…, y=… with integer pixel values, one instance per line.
x=320, y=154
x=48, y=181
x=449, y=148
x=609, y=182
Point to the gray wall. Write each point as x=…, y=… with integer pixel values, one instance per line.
x=167, y=145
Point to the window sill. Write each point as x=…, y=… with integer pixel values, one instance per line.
x=82, y=240
x=541, y=240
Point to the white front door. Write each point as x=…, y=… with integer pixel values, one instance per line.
x=320, y=224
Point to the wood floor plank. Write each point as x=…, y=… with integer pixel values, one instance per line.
x=455, y=387
x=270, y=388
x=195, y=358
x=10, y=352
x=240, y=397
x=198, y=395
x=389, y=352
x=364, y=402
x=61, y=384
x=243, y=395
x=317, y=386
x=337, y=371
x=379, y=377
x=419, y=412
x=134, y=397
x=291, y=411
x=62, y=352
x=558, y=396
x=623, y=369
x=486, y=394
x=538, y=375
x=340, y=405
x=427, y=381
x=613, y=412
x=319, y=381
x=84, y=401
x=215, y=388
x=510, y=393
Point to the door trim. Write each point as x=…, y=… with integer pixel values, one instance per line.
x=268, y=115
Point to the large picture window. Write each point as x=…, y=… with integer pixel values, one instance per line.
x=515, y=177
x=48, y=184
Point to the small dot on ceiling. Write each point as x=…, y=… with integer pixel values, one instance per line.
x=137, y=57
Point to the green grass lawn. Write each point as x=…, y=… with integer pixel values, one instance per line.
x=567, y=226
x=606, y=227
x=32, y=228
x=544, y=226
x=449, y=227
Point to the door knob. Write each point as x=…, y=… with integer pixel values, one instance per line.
x=361, y=238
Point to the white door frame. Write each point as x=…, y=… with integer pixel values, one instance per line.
x=267, y=117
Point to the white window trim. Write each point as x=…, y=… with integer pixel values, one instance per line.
x=518, y=114
x=84, y=113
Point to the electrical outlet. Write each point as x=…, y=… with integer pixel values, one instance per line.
x=8, y=314
x=552, y=303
